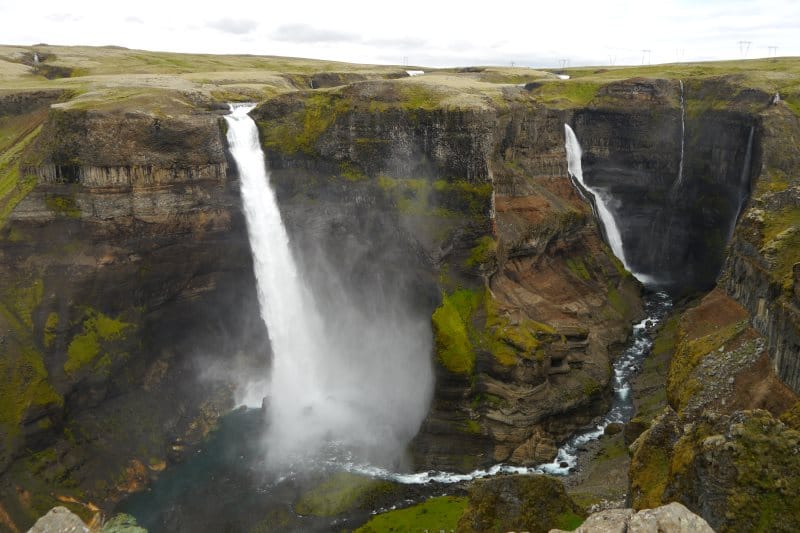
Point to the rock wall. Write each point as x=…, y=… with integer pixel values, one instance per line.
x=126, y=281
x=470, y=210
x=760, y=270
x=675, y=231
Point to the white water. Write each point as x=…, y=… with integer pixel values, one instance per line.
x=622, y=408
x=744, y=182
x=600, y=205
x=679, y=181
x=339, y=379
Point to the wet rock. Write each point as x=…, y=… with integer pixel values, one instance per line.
x=614, y=428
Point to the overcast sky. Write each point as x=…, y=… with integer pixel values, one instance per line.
x=422, y=32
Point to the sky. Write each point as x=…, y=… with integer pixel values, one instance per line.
x=423, y=32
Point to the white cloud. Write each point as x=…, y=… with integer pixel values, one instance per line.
x=235, y=26
x=303, y=33
x=427, y=33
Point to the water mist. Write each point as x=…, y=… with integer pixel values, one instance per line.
x=342, y=381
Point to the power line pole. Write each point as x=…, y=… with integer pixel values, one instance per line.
x=744, y=47
x=612, y=60
x=563, y=62
x=646, y=53
x=773, y=51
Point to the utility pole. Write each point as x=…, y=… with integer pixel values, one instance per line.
x=773, y=51
x=744, y=47
x=679, y=52
x=612, y=60
x=646, y=53
x=405, y=61
x=563, y=62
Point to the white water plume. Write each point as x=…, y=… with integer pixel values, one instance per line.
x=339, y=379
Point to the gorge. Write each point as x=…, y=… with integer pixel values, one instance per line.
x=466, y=294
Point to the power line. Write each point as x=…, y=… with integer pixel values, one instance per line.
x=744, y=47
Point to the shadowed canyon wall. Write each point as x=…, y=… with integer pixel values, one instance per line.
x=126, y=272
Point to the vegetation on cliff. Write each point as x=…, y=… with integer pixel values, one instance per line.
x=469, y=168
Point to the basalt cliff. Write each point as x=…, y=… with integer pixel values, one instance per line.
x=127, y=292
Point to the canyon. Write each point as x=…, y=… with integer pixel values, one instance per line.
x=128, y=308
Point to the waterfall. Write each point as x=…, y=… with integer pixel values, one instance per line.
x=744, y=182
x=600, y=201
x=338, y=378
x=679, y=180
x=600, y=197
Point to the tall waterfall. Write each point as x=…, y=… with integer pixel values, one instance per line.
x=744, y=181
x=610, y=228
x=339, y=379
x=679, y=180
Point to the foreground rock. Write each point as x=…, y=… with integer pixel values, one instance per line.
x=59, y=520
x=528, y=503
x=674, y=518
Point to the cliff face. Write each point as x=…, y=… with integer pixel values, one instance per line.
x=761, y=269
x=125, y=274
x=678, y=171
x=471, y=212
x=721, y=446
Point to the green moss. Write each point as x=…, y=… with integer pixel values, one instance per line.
x=340, y=493
x=566, y=94
x=122, y=523
x=568, y=521
x=577, y=267
x=452, y=321
x=507, y=342
x=63, y=205
x=472, y=426
x=14, y=186
x=436, y=514
x=681, y=386
x=99, y=331
x=299, y=131
x=767, y=486
x=590, y=386
x=666, y=339
x=483, y=252
x=792, y=417
x=22, y=299
x=649, y=476
x=50, y=326
x=781, y=243
x=351, y=173
x=618, y=302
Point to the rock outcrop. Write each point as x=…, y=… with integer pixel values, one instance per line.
x=470, y=210
x=722, y=446
x=673, y=517
x=125, y=275
x=523, y=503
x=59, y=520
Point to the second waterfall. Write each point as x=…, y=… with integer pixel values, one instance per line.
x=341, y=382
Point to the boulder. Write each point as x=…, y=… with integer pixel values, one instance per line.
x=59, y=520
x=523, y=503
x=674, y=518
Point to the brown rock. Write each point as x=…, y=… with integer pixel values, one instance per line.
x=540, y=448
